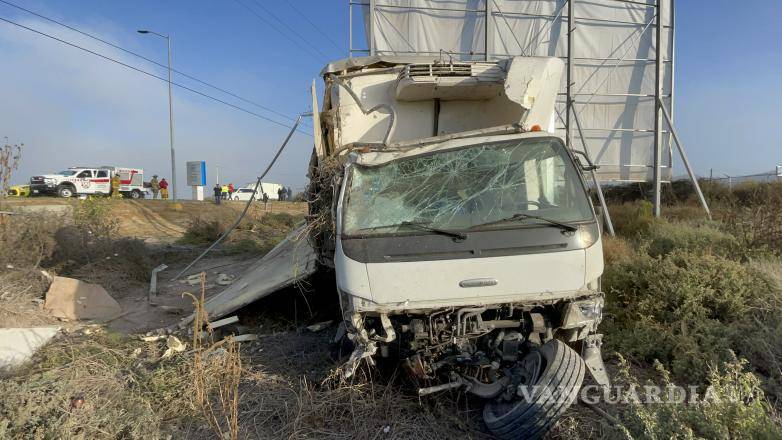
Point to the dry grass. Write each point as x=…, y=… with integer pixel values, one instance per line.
x=220, y=411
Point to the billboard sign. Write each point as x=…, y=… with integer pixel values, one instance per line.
x=613, y=55
x=196, y=173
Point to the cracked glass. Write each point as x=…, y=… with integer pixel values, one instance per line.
x=466, y=188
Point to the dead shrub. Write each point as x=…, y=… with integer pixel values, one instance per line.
x=10, y=156
x=202, y=232
x=217, y=367
x=27, y=240
x=105, y=386
x=616, y=250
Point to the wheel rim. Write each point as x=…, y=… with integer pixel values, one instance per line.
x=66, y=192
x=532, y=364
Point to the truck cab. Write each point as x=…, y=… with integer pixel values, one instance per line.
x=465, y=244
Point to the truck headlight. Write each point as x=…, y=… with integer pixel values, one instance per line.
x=580, y=313
x=586, y=236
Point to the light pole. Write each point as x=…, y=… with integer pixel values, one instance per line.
x=170, y=113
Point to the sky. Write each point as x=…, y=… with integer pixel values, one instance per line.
x=73, y=108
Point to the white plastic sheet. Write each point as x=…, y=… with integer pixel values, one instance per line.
x=613, y=56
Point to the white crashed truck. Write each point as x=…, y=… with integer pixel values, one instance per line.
x=465, y=243
x=460, y=231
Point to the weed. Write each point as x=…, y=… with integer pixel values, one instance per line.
x=202, y=232
x=690, y=310
x=632, y=219
x=663, y=238
x=733, y=407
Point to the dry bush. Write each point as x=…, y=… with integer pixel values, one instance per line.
x=616, y=250
x=320, y=195
x=105, y=386
x=202, y=232
x=91, y=249
x=369, y=410
x=10, y=156
x=214, y=370
x=27, y=240
x=21, y=295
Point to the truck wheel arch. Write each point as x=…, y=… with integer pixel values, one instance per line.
x=66, y=190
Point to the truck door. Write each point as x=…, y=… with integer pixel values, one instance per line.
x=101, y=182
x=83, y=182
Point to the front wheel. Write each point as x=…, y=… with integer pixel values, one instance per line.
x=135, y=194
x=557, y=380
x=65, y=191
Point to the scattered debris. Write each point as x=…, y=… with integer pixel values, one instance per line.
x=153, y=338
x=174, y=346
x=224, y=279
x=246, y=338
x=153, y=280
x=193, y=279
x=17, y=345
x=77, y=402
x=47, y=275
x=69, y=298
x=222, y=322
x=172, y=310
x=319, y=326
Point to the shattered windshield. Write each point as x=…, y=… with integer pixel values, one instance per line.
x=479, y=186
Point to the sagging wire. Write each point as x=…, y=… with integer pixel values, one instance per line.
x=249, y=202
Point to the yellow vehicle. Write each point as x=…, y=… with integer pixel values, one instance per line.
x=19, y=191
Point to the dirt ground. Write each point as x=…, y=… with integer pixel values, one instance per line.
x=159, y=224
x=157, y=221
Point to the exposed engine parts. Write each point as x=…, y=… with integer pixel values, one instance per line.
x=488, y=351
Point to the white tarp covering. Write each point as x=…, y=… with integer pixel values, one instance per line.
x=613, y=56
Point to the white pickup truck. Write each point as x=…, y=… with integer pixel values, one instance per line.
x=89, y=180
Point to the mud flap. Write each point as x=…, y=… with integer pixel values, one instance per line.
x=593, y=358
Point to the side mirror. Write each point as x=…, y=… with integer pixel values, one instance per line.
x=590, y=165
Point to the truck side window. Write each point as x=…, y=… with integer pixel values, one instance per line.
x=103, y=173
x=84, y=174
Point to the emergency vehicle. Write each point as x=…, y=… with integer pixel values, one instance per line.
x=89, y=180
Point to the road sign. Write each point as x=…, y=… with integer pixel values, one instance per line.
x=196, y=173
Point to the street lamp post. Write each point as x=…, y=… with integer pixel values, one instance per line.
x=170, y=113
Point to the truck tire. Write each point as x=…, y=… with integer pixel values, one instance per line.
x=66, y=191
x=561, y=373
x=135, y=194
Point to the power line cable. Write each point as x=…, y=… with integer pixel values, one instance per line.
x=87, y=34
x=273, y=26
x=315, y=26
x=249, y=201
x=149, y=74
x=272, y=15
